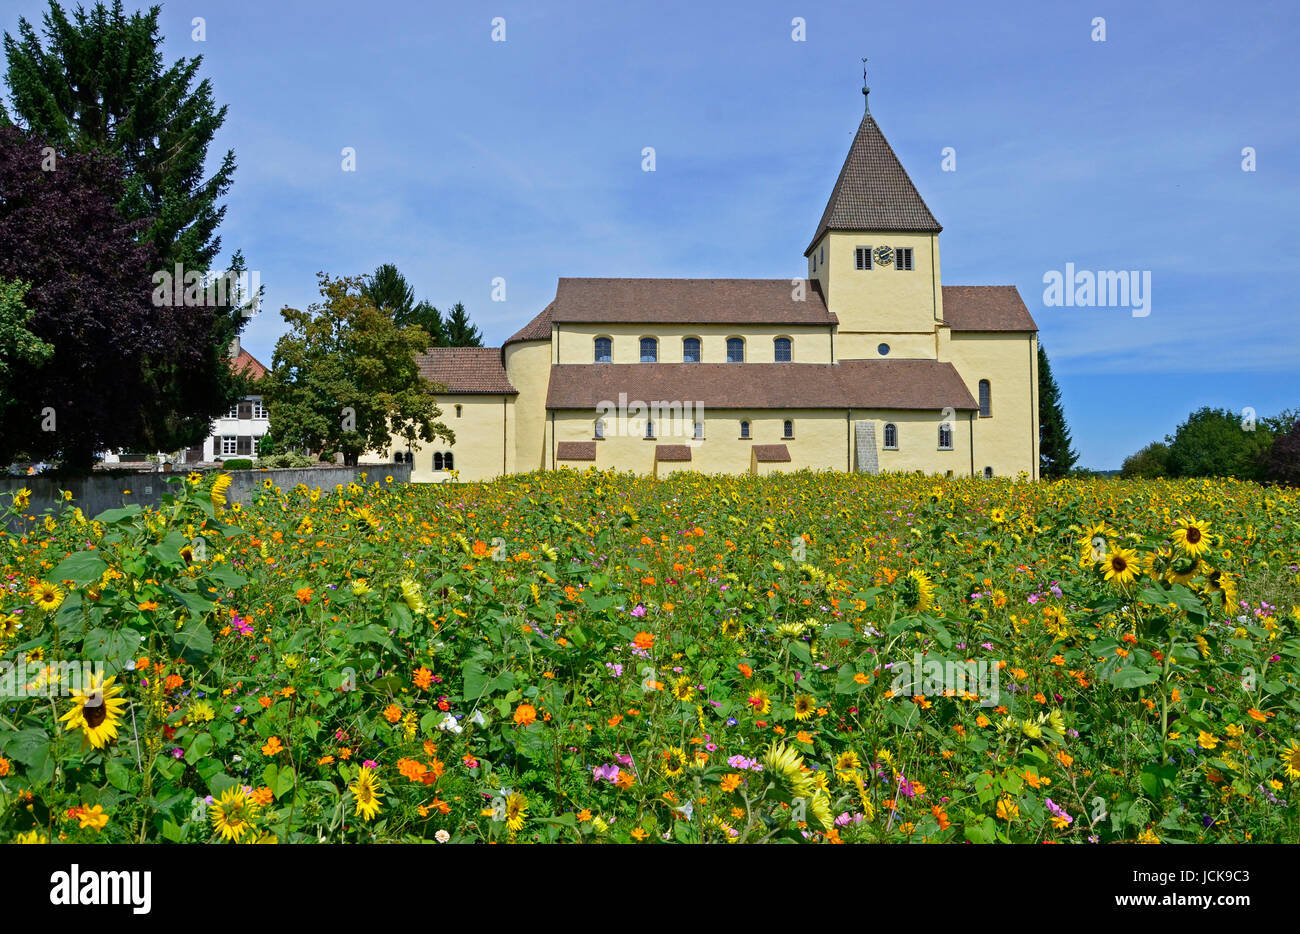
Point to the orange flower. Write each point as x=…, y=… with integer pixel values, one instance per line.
x=423, y=678
x=410, y=769
x=262, y=796
x=173, y=682
x=147, y=605
x=304, y=595
x=392, y=713
x=615, y=720
x=272, y=747
x=264, y=701
x=730, y=782
x=525, y=714
x=746, y=670
x=4, y=767
x=644, y=641
x=638, y=834
x=1258, y=715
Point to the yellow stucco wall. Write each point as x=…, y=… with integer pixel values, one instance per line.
x=1007, y=441
x=528, y=367
x=808, y=344
x=823, y=440
x=880, y=299
x=480, y=449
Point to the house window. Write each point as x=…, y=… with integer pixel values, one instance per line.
x=599, y=430
x=604, y=350
x=244, y=445
x=787, y=429
x=244, y=410
x=986, y=399
x=458, y=408
x=814, y=262
x=735, y=350
x=945, y=437
x=259, y=409
x=744, y=431
x=903, y=259
x=649, y=350
x=782, y=350
x=891, y=437
x=699, y=431
x=823, y=254
x=690, y=350
x=862, y=257
x=448, y=462
x=443, y=460
x=883, y=350
x=649, y=430
x=437, y=460
x=234, y=411
x=228, y=443
x=988, y=473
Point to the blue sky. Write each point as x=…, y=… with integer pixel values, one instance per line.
x=522, y=160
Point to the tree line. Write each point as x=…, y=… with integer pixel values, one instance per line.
x=103, y=188
x=1216, y=442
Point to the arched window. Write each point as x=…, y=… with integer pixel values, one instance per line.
x=447, y=463
x=735, y=350
x=690, y=350
x=945, y=437
x=787, y=429
x=744, y=431
x=782, y=349
x=604, y=350
x=649, y=430
x=699, y=431
x=649, y=350
x=988, y=473
x=986, y=399
x=599, y=429
x=458, y=408
x=891, y=437
x=437, y=460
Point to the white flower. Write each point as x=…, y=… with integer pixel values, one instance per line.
x=442, y=836
x=449, y=724
x=478, y=719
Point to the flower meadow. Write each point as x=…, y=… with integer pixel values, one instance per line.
x=604, y=658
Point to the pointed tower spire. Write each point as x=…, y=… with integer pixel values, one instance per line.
x=866, y=101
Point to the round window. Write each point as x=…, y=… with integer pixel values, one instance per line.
x=884, y=350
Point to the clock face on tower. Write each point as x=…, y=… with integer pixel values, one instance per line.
x=884, y=255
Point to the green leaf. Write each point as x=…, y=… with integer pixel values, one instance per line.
x=1133, y=677
x=193, y=642
x=113, y=516
x=80, y=567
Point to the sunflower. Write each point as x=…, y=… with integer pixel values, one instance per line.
x=783, y=763
x=998, y=516
x=848, y=761
x=366, y=791
x=516, y=812
x=96, y=711
x=46, y=596
x=219, y=488
x=916, y=591
x=760, y=701
x=683, y=690
x=1191, y=536
x=790, y=630
x=1121, y=566
x=233, y=813
x=674, y=761
x=412, y=598
x=804, y=706
x=1291, y=761
x=1093, y=543
x=820, y=807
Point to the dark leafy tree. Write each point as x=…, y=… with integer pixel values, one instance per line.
x=1056, y=456
x=96, y=81
x=1150, y=462
x=461, y=332
x=1219, y=443
x=388, y=289
x=344, y=378
x=90, y=298
x=1282, y=465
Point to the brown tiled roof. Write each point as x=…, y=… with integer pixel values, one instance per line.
x=465, y=369
x=575, y=451
x=672, y=452
x=248, y=365
x=985, y=308
x=686, y=301
x=771, y=453
x=539, y=329
x=860, y=384
x=873, y=191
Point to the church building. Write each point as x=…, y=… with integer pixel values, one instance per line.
x=870, y=363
